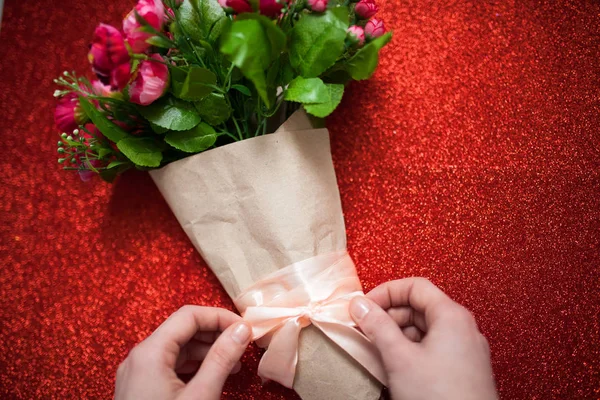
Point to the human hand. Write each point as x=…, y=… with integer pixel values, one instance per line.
x=188, y=339
x=430, y=346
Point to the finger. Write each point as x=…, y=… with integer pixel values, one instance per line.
x=412, y=333
x=219, y=362
x=193, y=351
x=188, y=367
x=418, y=293
x=182, y=325
x=407, y=316
x=207, y=337
x=379, y=327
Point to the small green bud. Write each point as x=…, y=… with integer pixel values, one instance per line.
x=59, y=143
x=65, y=73
x=61, y=150
x=73, y=160
x=69, y=137
x=61, y=160
x=57, y=93
x=64, y=135
x=76, y=132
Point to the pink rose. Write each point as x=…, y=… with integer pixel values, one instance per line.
x=374, y=28
x=270, y=8
x=238, y=6
x=109, y=56
x=366, y=8
x=68, y=114
x=153, y=11
x=356, y=34
x=150, y=83
x=317, y=5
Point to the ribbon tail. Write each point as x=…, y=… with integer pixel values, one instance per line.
x=280, y=360
x=357, y=345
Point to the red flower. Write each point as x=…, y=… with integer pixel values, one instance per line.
x=238, y=6
x=374, y=28
x=150, y=83
x=366, y=8
x=317, y=5
x=109, y=56
x=270, y=8
x=356, y=34
x=153, y=11
x=68, y=114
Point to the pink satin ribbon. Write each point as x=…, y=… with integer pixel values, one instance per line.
x=314, y=291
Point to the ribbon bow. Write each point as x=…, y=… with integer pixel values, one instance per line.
x=315, y=291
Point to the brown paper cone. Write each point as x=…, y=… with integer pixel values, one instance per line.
x=255, y=206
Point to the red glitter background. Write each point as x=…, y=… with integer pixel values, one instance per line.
x=471, y=158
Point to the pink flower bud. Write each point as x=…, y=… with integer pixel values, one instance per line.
x=109, y=56
x=366, y=8
x=239, y=6
x=150, y=83
x=153, y=11
x=270, y=8
x=356, y=34
x=100, y=89
x=68, y=114
x=374, y=28
x=317, y=5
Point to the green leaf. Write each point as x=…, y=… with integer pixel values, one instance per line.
x=218, y=28
x=213, y=109
x=196, y=84
x=108, y=128
x=242, y=89
x=363, y=64
x=103, y=152
x=286, y=72
x=171, y=113
x=317, y=41
x=160, y=41
x=307, y=90
x=275, y=35
x=158, y=129
x=381, y=40
x=178, y=76
x=116, y=164
x=109, y=175
x=144, y=152
x=321, y=110
x=197, y=18
x=338, y=76
x=194, y=140
x=211, y=18
x=252, y=43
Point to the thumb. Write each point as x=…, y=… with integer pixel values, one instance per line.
x=380, y=328
x=220, y=360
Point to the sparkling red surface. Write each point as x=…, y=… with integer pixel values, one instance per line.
x=471, y=158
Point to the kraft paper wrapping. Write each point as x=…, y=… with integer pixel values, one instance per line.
x=258, y=205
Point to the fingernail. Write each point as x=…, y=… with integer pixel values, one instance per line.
x=359, y=308
x=241, y=333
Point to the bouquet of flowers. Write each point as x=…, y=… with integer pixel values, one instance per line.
x=189, y=90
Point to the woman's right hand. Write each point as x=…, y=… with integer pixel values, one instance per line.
x=430, y=345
